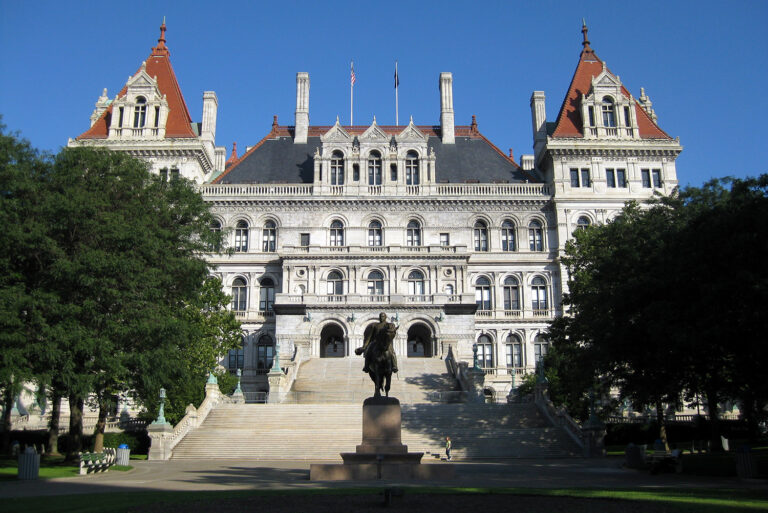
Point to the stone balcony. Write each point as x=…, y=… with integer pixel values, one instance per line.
x=527, y=314
x=390, y=249
x=453, y=303
x=254, y=315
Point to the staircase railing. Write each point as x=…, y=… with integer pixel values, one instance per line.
x=558, y=416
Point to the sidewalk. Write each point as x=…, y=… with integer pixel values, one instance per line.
x=191, y=475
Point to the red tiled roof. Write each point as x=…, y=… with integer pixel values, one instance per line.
x=569, y=122
x=179, y=121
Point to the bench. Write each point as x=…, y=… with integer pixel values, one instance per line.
x=665, y=461
x=92, y=462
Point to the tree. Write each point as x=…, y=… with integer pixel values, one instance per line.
x=23, y=253
x=107, y=284
x=663, y=300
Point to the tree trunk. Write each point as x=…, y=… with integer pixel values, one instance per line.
x=7, y=407
x=662, y=425
x=716, y=445
x=101, y=423
x=53, y=426
x=75, y=427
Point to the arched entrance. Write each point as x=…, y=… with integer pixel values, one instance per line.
x=332, y=342
x=420, y=341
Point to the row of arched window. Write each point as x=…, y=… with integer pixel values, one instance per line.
x=511, y=297
x=265, y=352
x=413, y=235
x=514, y=351
x=375, y=169
x=416, y=286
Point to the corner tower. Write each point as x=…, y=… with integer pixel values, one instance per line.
x=149, y=118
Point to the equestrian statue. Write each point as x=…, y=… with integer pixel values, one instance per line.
x=380, y=359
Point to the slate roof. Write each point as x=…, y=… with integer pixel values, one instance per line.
x=179, y=123
x=569, y=122
x=276, y=159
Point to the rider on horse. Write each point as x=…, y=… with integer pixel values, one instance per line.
x=382, y=333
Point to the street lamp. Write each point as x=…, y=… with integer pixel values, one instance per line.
x=476, y=364
x=161, y=411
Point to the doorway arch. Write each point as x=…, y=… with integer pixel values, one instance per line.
x=420, y=341
x=332, y=342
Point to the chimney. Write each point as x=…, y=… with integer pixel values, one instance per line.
x=539, y=116
x=302, y=108
x=446, y=108
x=210, y=109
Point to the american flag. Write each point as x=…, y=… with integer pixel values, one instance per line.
x=351, y=73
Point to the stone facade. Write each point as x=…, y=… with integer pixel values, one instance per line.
x=433, y=225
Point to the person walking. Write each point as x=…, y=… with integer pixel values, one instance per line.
x=448, y=448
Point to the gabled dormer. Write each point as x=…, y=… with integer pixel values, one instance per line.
x=606, y=111
x=140, y=113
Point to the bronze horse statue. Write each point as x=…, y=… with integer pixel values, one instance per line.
x=380, y=359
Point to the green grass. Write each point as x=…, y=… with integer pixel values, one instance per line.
x=121, y=468
x=674, y=500
x=138, y=456
x=50, y=467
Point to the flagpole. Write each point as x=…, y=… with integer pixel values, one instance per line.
x=397, y=105
x=351, y=90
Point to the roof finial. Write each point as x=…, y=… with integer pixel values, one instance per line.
x=274, y=123
x=161, y=49
x=584, y=31
x=233, y=156
x=473, y=126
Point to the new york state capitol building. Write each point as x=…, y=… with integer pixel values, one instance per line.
x=432, y=224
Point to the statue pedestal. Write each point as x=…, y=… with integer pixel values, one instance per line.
x=381, y=455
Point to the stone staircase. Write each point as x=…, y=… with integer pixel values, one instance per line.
x=322, y=417
x=341, y=380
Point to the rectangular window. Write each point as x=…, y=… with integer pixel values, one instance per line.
x=574, y=177
x=656, y=174
x=627, y=121
x=393, y=172
x=236, y=359
x=621, y=178
x=120, y=118
x=356, y=172
x=174, y=174
x=591, y=116
x=304, y=240
x=610, y=178
x=164, y=174
x=645, y=175
x=445, y=239
x=585, y=178
x=157, y=117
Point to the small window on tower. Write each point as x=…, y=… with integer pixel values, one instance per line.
x=627, y=120
x=157, y=117
x=393, y=172
x=356, y=172
x=591, y=116
x=304, y=240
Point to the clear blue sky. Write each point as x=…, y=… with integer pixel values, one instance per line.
x=703, y=63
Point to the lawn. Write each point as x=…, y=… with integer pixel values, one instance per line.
x=50, y=467
x=444, y=499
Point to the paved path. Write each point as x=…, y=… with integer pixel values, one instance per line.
x=196, y=475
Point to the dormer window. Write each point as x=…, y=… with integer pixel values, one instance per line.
x=374, y=168
x=412, y=168
x=140, y=112
x=337, y=168
x=609, y=112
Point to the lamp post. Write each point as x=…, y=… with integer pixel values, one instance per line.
x=161, y=411
x=238, y=390
x=475, y=364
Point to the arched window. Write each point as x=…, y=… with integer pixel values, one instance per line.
x=375, y=283
x=335, y=284
x=215, y=225
x=539, y=294
x=481, y=236
x=269, y=237
x=266, y=295
x=514, y=350
x=485, y=351
x=412, y=168
x=416, y=283
x=241, y=236
x=337, y=168
x=140, y=112
x=483, y=294
x=374, y=168
x=582, y=223
x=535, y=236
x=508, y=236
x=265, y=353
x=413, y=233
x=337, y=233
x=540, y=347
x=609, y=112
x=374, y=234
x=239, y=295
x=511, y=294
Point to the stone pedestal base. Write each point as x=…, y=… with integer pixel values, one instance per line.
x=382, y=454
